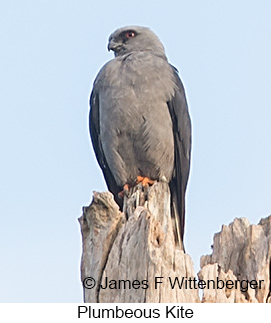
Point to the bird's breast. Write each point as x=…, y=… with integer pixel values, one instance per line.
x=135, y=123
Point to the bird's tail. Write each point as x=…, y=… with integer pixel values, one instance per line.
x=177, y=216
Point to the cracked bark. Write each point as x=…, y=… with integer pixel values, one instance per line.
x=138, y=245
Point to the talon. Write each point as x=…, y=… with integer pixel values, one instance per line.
x=124, y=191
x=144, y=180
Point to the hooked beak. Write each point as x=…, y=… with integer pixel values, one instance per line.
x=114, y=46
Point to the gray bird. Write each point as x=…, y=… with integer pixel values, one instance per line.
x=139, y=121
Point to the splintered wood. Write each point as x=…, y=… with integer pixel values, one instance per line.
x=241, y=254
x=131, y=256
x=128, y=255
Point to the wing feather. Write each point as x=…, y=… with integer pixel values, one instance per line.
x=94, y=127
x=182, y=151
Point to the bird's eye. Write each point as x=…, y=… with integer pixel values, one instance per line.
x=130, y=34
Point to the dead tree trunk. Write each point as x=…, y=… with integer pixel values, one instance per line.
x=126, y=253
x=241, y=252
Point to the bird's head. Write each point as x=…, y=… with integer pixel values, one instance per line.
x=134, y=38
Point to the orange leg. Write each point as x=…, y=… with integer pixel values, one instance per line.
x=144, y=180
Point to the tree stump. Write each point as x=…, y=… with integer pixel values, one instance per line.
x=240, y=252
x=124, y=252
x=128, y=250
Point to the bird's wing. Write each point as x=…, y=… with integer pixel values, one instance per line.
x=182, y=150
x=94, y=127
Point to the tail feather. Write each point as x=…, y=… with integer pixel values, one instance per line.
x=177, y=216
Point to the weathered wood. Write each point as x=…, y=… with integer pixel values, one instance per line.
x=138, y=245
x=137, y=249
x=100, y=224
x=240, y=252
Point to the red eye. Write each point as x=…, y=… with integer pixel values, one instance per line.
x=130, y=34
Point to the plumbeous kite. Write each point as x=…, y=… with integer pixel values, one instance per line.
x=139, y=121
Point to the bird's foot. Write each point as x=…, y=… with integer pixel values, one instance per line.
x=124, y=191
x=144, y=180
x=140, y=179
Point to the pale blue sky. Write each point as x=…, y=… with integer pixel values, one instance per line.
x=50, y=54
